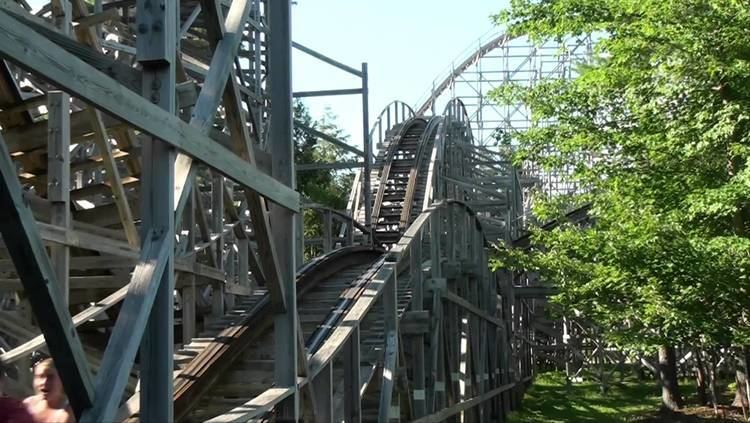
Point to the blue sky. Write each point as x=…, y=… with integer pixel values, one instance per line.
x=406, y=43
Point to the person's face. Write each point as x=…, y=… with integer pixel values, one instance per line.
x=47, y=383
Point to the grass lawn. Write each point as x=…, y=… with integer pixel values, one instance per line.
x=549, y=400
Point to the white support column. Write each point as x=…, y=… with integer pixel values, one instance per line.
x=157, y=26
x=282, y=220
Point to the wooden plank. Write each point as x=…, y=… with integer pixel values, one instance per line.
x=256, y=407
x=464, y=405
x=339, y=336
x=352, y=378
x=323, y=387
x=84, y=316
x=58, y=181
x=129, y=328
x=472, y=308
x=331, y=139
x=389, y=378
x=32, y=51
x=25, y=247
x=113, y=175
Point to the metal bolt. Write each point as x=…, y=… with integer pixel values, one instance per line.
x=155, y=97
x=142, y=28
x=156, y=26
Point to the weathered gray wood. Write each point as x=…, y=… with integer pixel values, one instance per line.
x=58, y=181
x=256, y=407
x=156, y=52
x=464, y=405
x=113, y=175
x=217, y=223
x=30, y=50
x=213, y=87
x=25, y=247
x=415, y=263
x=333, y=140
x=352, y=396
x=472, y=308
x=326, y=59
x=323, y=387
x=129, y=328
x=282, y=220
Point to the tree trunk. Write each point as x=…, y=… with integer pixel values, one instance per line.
x=741, y=394
x=700, y=378
x=714, y=359
x=670, y=390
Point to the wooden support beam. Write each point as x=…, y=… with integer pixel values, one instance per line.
x=156, y=52
x=472, y=308
x=129, y=328
x=323, y=387
x=113, y=176
x=415, y=260
x=35, y=270
x=22, y=45
x=281, y=133
x=331, y=139
x=58, y=181
x=464, y=405
x=242, y=145
x=390, y=361
x=352, y=395
x=257, y=407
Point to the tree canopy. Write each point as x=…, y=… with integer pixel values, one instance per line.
x=657, y=127
x=326, y=187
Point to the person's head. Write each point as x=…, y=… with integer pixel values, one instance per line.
x=47, y=381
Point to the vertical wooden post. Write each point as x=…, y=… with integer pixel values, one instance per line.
x=156, y=23
x=415, y=257
x=58, y=180
x=389, y=404
x=282, y=220
x=217, y=223
x=189, y=291
x=367, y=149
x=352, y=399
x=58, y=160
x=323, y=388
x=327, y=232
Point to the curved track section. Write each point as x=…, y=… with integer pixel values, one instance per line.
x=419, y=333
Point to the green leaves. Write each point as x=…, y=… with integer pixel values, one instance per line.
x=657, y=125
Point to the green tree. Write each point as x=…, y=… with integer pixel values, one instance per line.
x=326, y=187
x=663, y=107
